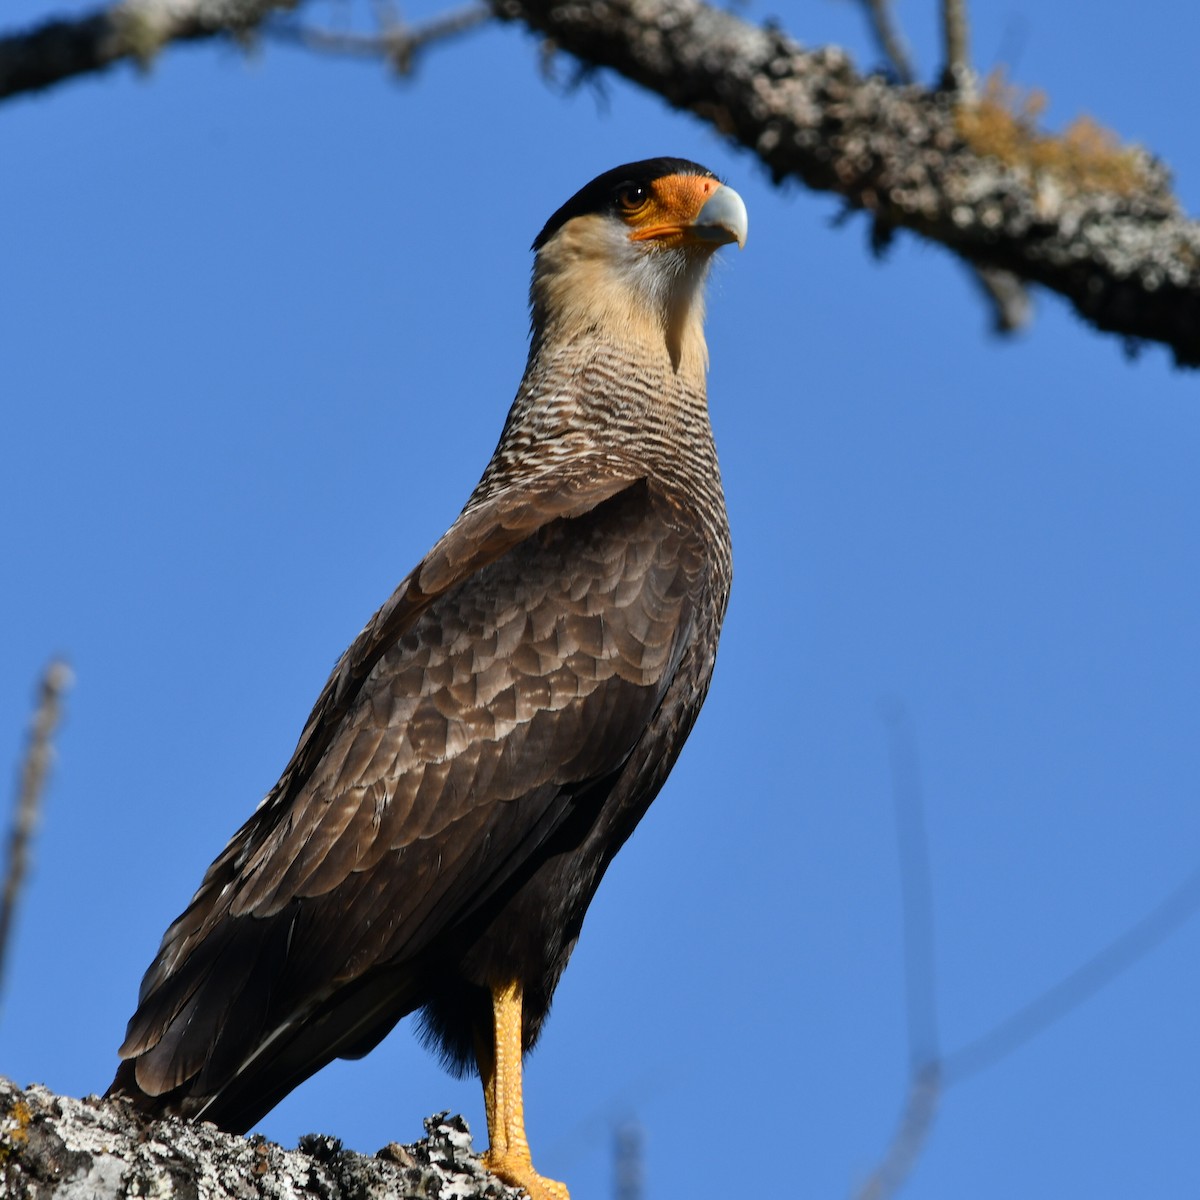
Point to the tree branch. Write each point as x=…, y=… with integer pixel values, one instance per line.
x=1006, y=296
x=134, y=30
x=1110, y=240
x=399, y=43
x=908, y=1140
x=956, y=70
x=889, y=39
x=57, y=1148
x=1124, y=257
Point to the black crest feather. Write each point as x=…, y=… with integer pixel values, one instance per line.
x=601, y=194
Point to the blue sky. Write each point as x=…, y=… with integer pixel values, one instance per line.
x=261, y=317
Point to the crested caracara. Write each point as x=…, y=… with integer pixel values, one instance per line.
x=491, y=738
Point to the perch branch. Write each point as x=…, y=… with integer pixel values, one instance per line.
x=57, y=1148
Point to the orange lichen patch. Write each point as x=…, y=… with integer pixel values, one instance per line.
x=14, y=1131
x=1003, y=123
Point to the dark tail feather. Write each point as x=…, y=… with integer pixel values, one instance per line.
x=239, y=1096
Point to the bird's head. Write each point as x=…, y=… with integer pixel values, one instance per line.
x=629, y=253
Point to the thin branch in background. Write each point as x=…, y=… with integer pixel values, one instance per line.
x=916, y=891
x=889, y=39
x=387, y=13
x=920, y=1106
x=956, y=70
x=930, y=1072
x=1006, y=295
x=396, y=41
x=920, y=976
x=627, y=1161
x=1076, y=988
x=654, y=1078
x=34, y=769
x=1009, y=298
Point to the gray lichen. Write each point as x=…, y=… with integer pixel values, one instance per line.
x=58, y=1148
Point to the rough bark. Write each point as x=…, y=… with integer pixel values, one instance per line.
x=134, y=30
x=58, y=1148
x=1121, y=253
x=1126, y=259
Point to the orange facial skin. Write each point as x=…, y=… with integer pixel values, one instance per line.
x=665, y=211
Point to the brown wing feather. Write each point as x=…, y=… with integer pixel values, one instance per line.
x=521, y=660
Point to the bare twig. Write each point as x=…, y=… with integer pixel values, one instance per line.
x=36, y=765
x=956, y=71
x=928, y=1080
x=1056, y=1002
x=916, y=1120
x=916, y=889
x=397, y=42
x=627, y=1161
x=920, y=975
x=930, y=1071
x=1006, y=296
x=889, y=39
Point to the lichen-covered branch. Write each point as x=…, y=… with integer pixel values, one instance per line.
x=136, y=30
x=1115, y=246
x=133, y=30
x=1095, y=222
x=57, y=1148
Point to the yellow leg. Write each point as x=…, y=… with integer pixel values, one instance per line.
x=500, y=1069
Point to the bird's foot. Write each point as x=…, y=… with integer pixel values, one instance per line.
x=517, y=1170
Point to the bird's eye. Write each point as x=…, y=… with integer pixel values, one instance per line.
x=631, y=197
